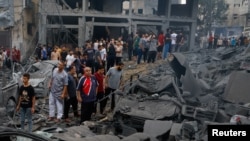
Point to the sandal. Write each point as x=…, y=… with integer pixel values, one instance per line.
x=50, y=119
x=57, y=120
x=67, y=120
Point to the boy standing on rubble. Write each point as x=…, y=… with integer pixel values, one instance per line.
x=26, y=101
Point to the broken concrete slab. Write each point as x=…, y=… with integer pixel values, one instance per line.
x=139, y=137
x=74, y=132
x=175, y=131
x=183, y=72
x=150, y=84
x=156, y=128
x=237, y=89
x=154, y=109
x=222, y=116
x=198, y=113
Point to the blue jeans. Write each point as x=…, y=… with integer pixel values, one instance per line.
x=165, y=51
x=140, y=53
x=26, y=113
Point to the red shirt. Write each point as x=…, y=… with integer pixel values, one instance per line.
x=161, y=39
x=87, y=85
x=100, y=78
x=210, y=39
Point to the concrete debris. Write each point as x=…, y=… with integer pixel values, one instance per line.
x=237, y=90
x=174, y=101
x=156, y=128
x=139, y=137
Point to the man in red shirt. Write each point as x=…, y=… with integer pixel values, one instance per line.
x=14, y=54
x=210, y=41
x=86, y=94
x=100, y=77
x=161, y=38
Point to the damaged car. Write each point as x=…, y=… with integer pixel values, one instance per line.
x=11, y=134
x=40, y=75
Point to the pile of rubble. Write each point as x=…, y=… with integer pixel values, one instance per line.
x=174, y=101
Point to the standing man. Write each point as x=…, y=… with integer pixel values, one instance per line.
x=136, y=46
x=1, y=59
x=141, y=48
x=71, y=89
x=179, y=42
x=99, y=75
x=14, y=55
x=152, y=49
x=70, y=58
x=210, y=41
x=173, y=39
x=118, y=50
x=160, y=45
x=130, y=46
x=54, y=55
x=44, y=53
x=86, y=94
x=58, y=91
x=26, y=101
x=63, y=53
x=111, y=54
x=167, y=46
x=113, y=82
x=91, y=56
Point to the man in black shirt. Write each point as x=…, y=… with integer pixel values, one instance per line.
x=64, y=54
x=26, y=102
x=71, y=98
x=111, y=54
x=90, y=59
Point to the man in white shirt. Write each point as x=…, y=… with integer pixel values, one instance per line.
x=69, y=59
x=96, y=45
x=173, y=38
x=1, y=59
x=103, y=53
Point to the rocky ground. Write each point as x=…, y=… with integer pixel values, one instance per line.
x=133, y=69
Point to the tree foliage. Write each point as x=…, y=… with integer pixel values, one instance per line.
x=211, y=12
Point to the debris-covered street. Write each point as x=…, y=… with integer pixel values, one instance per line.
x=124, y=70
x=173, y=99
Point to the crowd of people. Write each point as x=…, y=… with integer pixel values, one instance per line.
x=215, y=41
x=8, y=56
x=90, y=74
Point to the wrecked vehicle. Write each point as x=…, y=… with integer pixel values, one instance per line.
x=10, y=134
x=40, y=74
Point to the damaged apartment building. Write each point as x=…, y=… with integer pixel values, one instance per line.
x=19, y=25
x=75, y=21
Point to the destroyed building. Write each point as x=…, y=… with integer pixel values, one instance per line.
x=19, y=25
x=92, y=19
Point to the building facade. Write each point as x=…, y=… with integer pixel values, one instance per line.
x=22, y=33
x=235, y=12
x=81, y=20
